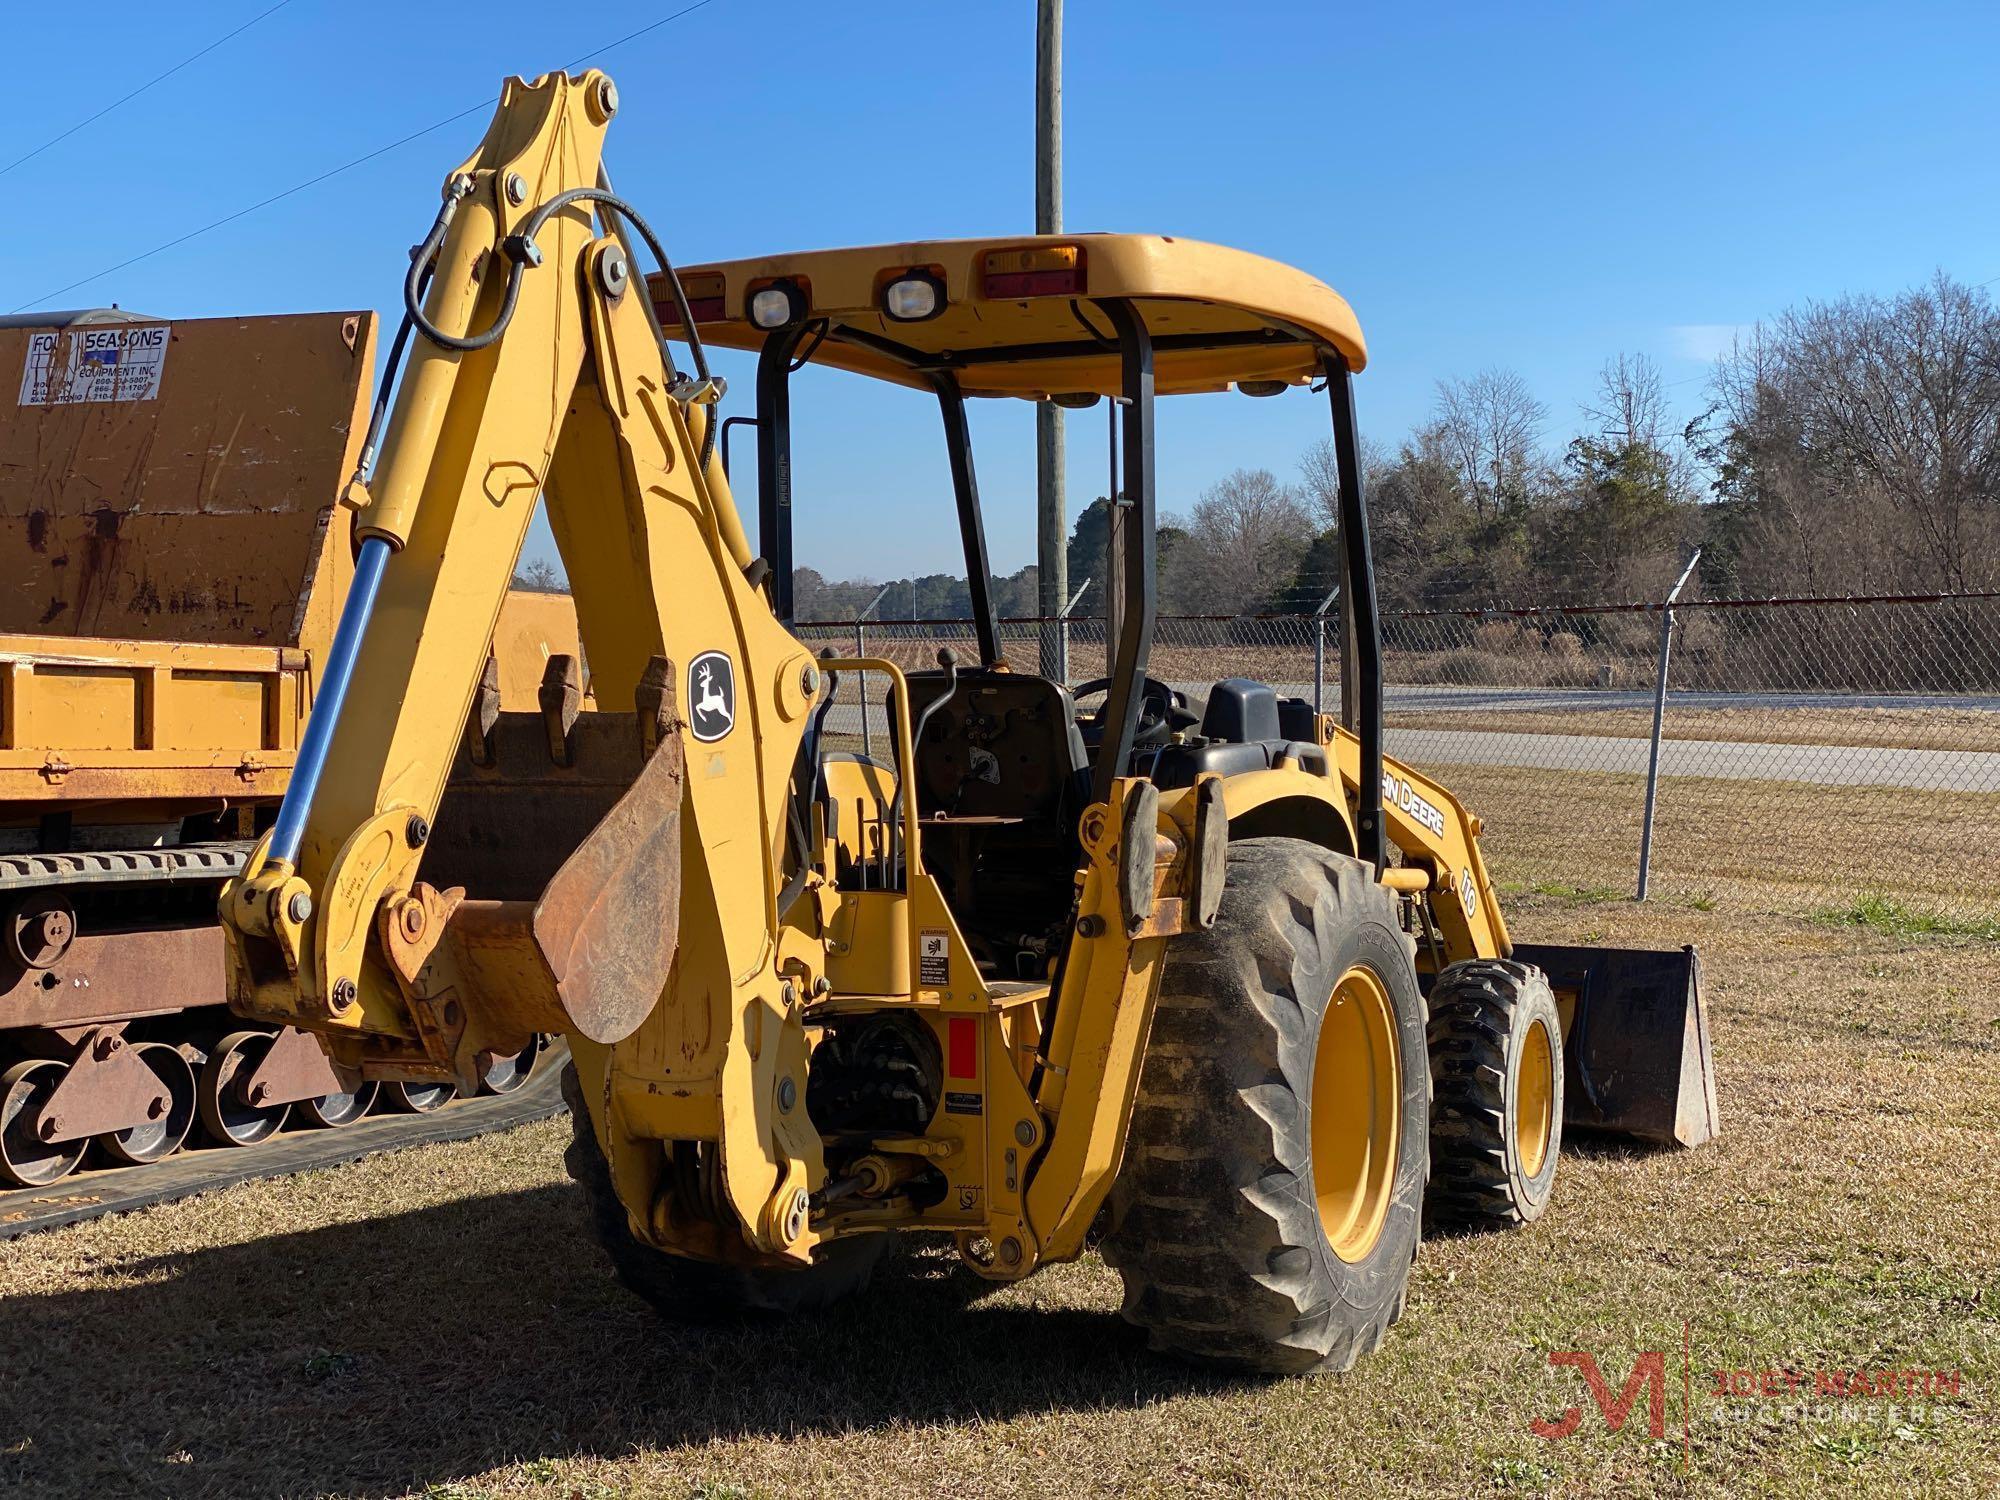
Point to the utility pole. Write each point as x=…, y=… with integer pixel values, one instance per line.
x=1052, y=519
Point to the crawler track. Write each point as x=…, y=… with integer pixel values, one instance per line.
x=90, y=1194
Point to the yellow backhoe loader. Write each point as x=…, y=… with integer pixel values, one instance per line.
x=1239, y=977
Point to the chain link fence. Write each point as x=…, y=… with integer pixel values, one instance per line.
x=1837, y=757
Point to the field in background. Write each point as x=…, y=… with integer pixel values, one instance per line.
x=1714, y=847
x=435, y=1322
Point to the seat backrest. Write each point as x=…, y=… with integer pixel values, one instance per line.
x=1241, y=712
x=1005, y=744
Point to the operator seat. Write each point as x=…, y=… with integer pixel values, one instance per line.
x=1002, y=779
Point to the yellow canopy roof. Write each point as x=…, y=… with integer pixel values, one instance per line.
x=1018, y=316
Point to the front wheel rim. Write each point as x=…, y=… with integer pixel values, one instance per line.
x=1534, y=1099
x=1357, y=1113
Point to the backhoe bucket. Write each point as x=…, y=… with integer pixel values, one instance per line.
x=572, y=819
x=1636, y=1046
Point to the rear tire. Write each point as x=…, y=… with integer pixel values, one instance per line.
x=692, y=1291
x=1497, y=1067
x=1269, y=1205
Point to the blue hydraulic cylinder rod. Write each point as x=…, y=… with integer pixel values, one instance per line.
x=289, y=831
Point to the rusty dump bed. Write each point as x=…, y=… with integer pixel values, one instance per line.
x=179, y=484
x=171, y=550
x=173, y=557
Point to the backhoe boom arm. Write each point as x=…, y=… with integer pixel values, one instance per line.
x=537, y=372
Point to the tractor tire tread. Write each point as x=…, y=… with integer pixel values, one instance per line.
x=1214, y=1218
x=1473, y=1007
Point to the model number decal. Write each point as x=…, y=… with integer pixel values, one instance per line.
x=1468, y=893
x=1399, y=794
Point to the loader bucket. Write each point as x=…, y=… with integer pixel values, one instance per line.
x=1635, y=1043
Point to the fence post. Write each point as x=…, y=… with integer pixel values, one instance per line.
x=861, y=684
x=1062, y=627
x=1659, y=720
x=1319, y=651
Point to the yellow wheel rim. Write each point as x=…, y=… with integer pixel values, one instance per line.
x=1534, y=1100
x=1357, y=1113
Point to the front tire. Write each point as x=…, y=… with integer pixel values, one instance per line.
x=1497, y=1067
x=692, y=1291
x=1269, y=1205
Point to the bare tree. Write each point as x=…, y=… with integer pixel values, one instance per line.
x=1630, y=408
x=1492, y=428
x=1319, y=476
x=540, y=576
x=1870, y=429
x=1245, y=536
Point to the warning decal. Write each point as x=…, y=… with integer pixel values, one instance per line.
x=934, y=957
x=68, y=366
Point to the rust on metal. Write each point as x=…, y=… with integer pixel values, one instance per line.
x=117, y=976
x=485, y=714
x=107, y=1087
x=38, y=929
x=293, y=1067
x=609, y=923
x=201, y=512
x=504, y=827
x=561, y=701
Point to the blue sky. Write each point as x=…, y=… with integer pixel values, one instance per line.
x=1531, y=185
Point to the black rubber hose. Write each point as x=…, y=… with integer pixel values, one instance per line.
x=521, y=255
x=644, y=230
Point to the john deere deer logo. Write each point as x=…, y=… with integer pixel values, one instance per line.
x=711, y=696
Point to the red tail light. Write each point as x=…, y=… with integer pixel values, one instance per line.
x=1041, y=271
x=704, y=296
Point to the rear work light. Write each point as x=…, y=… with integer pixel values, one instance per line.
x=778, y=305
x=1044, y=271
x=913, y=297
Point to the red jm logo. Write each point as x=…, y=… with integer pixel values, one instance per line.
x=1649, y=1370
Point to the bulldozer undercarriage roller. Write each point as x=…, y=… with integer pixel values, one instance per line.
x=27, y=1158
x=417, y=1098
x=165, y=1129
x=504, y=1073
x=331, y=1111
x=229, y=1115
x=165, y=1156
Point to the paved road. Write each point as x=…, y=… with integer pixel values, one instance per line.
x=1731, y=760
x=1597, y=700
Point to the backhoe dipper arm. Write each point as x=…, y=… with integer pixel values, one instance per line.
x=537, y=371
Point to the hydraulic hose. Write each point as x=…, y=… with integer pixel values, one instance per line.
x=631, y=216
x=522, y=253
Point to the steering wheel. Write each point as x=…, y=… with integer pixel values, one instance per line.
x=1161, y=712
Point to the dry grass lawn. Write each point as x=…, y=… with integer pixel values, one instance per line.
x=434, y=1322
x=1749, y=846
